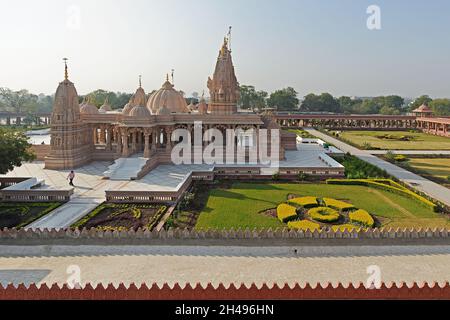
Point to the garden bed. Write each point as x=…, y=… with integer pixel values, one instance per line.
x=122, y=217
x=18, y=215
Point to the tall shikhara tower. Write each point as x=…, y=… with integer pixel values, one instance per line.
x=70, y=142
x=223, y=87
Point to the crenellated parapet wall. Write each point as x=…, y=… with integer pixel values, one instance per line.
x=247, y=237
x=351, y=291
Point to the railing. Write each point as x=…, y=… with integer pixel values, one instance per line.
x=35, y=195
x=7, y=182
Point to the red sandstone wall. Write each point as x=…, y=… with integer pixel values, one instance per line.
x=133, y=292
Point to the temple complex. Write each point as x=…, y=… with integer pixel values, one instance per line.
x=83, y=133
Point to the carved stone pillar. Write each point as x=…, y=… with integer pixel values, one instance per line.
x=146, y=144
x=133, y=141
x=119, y=142
x=108, y=138
x=168, y=132
x=125, y=151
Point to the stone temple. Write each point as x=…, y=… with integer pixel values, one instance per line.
x=139, y=138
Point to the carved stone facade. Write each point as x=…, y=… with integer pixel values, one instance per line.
x=71, y=143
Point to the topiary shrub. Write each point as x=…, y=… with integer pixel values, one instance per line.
x=362, y=217
x=324, y=214
x=303, y=225
x=338, y=205
x=305, y=202
x=286, y=212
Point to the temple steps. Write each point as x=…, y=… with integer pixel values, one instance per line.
x=126, y=168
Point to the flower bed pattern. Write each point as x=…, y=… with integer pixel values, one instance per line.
x=305, y=202
x=285, y=212
x=362, y=217
x=304, y=225
x=324, y=214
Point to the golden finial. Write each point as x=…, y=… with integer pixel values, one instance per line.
x=66, y=73
x=140, y=81
x=167, y=77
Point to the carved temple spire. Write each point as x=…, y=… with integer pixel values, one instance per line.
x=223, y=86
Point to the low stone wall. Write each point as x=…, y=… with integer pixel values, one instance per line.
x=233, y=292
x=177, y=237
x=41, y=151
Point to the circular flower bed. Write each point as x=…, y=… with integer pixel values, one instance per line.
x=324, y=214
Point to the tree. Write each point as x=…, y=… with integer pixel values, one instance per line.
x=14, y=149
x=18, y=101
x=367, y=107
x=395, y=102
x=252, y=99
x=284, y=99
x=440, y=107
x=322, y=103
x=424, y=99
x=389, y=111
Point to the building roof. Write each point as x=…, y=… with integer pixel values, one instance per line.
x=167, y=97
x=423, y=109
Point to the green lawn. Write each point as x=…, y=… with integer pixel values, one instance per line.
x=242, y=204
x=432, y=168
x=420, y=141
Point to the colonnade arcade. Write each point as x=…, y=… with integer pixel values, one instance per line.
x=124, y=141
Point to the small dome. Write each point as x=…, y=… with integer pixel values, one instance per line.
x=167, y=97
x=163, y=111
x=192, y=106
x=140, y=112
x=140, y=99
x=127, y=108
x=88, y=107
x=106, y=106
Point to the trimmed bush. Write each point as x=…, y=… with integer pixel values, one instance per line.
x=286, y=212
x=362, y=217
x=324, y=214
x=344, y=227
x=338, y=205
x=303, y=225
x=386, y=185
x=305, y=202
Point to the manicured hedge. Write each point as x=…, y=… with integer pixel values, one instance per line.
x=303, y=225
x=286, y=212
x=338, y=205
x=305, y=202
x=387, y=185
x=361, y=217
x=324, y=214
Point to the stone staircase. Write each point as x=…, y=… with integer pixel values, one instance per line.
x=126, y=168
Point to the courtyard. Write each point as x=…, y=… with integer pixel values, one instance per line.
x=395, y=140
x=437, y=169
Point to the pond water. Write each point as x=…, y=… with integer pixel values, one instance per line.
x=39, y=136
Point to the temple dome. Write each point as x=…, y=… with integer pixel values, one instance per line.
x=88, y=107
x=163, y=111
x=106, y=106
x=202, y=107
x=66, y=108
x=139, y=112
x=169, y=98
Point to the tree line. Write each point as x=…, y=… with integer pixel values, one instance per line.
x=286, y=99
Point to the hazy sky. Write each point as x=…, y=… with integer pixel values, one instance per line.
x=312, y=45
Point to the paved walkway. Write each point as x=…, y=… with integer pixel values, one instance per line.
x=222, y=264
x=433, y=189
x=413, y=152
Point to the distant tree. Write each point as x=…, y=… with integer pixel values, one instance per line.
x=395, y=102
x=252, y=99
x=320, y=103
x=348, y=104
x=14, y=149
x=285, y=99
x=440, y=107
x=367, y=107
x=389, y=111
x=425, y=99
x=18, y=101
x=115, y=99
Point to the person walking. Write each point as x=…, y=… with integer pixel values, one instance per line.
x=71, y=176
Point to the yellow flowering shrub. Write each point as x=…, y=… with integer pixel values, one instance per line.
x=303, y=225
x=286, y=212
x=324, y=214
x=305, y=202
x=362, y=217
x=338, y=205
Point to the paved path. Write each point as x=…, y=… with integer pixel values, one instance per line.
x=413, y=152
x=433, y=189
x=223, y=264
